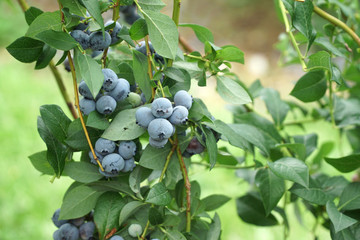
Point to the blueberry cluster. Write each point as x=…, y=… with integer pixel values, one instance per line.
x=96, y=40
x=73, y=229
x=114, y=159
x=113, y=90
x=162, y=116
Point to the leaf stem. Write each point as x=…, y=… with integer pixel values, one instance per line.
x=116, y=11
x=291, y=35
x=175, y=18
x=145, y=230
x=167, y=162
x=186, y=46
x=23, y=4
x=223, y=165
x=337, y=23
x=331, y=100
x=78, y=108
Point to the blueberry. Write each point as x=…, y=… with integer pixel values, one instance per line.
x=116, y=237
x=183, y=98
x=161, y=108
x=144, y=116
x=135, y=230
x=81, y=37
x=94, y=54
x=156, y=143
x=82, y=26
x=127, y=149
x=179, y=115
x=195, y=147
x=98, y=42
x=110, y=79
x=77, y=222
x=134, y=99
x=104, y=146
x=117, y=28
x=128, y=10
x=84, y=90
x=55, y=219
x=56, y=235
x=68, y=232
x=86, y=106
x=106, y=105
x=142, y=48
x=121, y=90
x=143, y=99
x=87, y=230
x=130, y=19
x=92, y=160
x=129, y=165
x=108, y=175
x=159, y=58
x=67, y=65
x=160, y=129
x=113, y=163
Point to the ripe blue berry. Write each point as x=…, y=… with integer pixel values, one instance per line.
x=117, y=28
x=179, y=115
x=132, y=18
x=135, y=230
x=129, y=165
x=87, y=230
x=81, y=37
x=127, y=149
x=55, y=219
x=106, y=105
x=144, y=116
x=195, y=147
x=104, y=146
x=77, y=222
x=85, y=91
x=56, y=235
x=183, y=98
x=87, y=106
x=113, y=163
x=98, y=42
x=92, y=160
x=160, y=129
x=116, y=237
x=142, y=48
x=161, y=108
x=69, y=232
x=156, y=143
x=110, y=79
x=121, y=90
x=82, y=26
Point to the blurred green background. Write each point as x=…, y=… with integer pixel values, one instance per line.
x=28, y=200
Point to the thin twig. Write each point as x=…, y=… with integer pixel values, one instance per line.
x=223, y=165
x=186, y=46
x=167, y=162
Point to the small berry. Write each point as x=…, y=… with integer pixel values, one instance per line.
x=110, y=79
x=179, y=115
x=183, y=98
x=127, y=149
x=160, y=129
x=135, y=230
x=85, y=91
x=161, y=108
x=106, y=105
x=129, y=165
x=104, y=146
x=121, y=90
x=87, y=230
x=158, y=144
x=98, y=42
x=69, y=232
x=55, y=219
x=87, y=106
x=144, y=116
x=113, y=163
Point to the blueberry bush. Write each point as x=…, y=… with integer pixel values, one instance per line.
x=137, y=128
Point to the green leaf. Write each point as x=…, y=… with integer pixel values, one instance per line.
x=154, y=5
x=56, y=151
x=83, y=172
x=251, y=210
x=345, y=164
x=74, y=6
x=215, y=229
x=231, y=91
x=347, y=112
x=324, y=42
x=202, y=33
x=302, y=19
x=93, y=7
x=176, y=74
x=138, y=175
x=96, y=120
x=123, y=127
x=309, y=140
x=198, y=110
x=138, y=30
x=211, y=146
x=323, y=151
x=45, y=21
x=298, y=148
x=25, y=49
x=120, y=185
x=291, y=169
x=154, y=158
x=78, y=202
x=140, y=73
x=55, y=120
x=213, y=202
x=174, y=235
x=126, y=72
x=124, y=34
x=310, y=87
x=350, y=197
x=320, y=60
x=76, y=138
x=31, y=14
x=289, y=5
x=159, y=195
x=163, y=33
x=277, y=108
x=90, y=71
x=313, y=194
x=45, y=57
x=155, y=216
x=230, y=53
x=107, y=212
x=58, y=40
x=271, y=187
x=338, y=219
x=40, y=163
x=128, y=210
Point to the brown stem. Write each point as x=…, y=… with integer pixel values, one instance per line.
x=103, y=58
x=148, y=54
x=185, y=45
x=167, y=162
x=23, y=4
